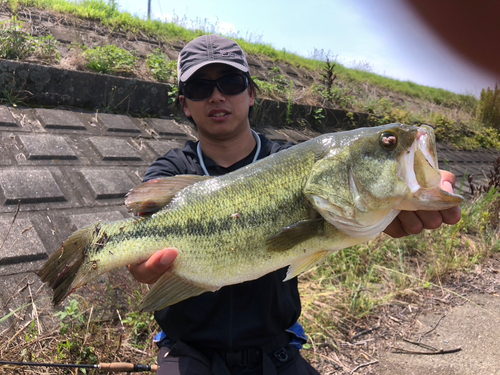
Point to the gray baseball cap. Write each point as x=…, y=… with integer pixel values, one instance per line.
x=209, y=49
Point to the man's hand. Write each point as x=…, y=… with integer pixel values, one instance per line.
x=414, y=222
x=151, y=270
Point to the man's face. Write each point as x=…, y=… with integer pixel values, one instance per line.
x=220, y=115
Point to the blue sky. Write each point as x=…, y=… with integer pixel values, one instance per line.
x=382, y=34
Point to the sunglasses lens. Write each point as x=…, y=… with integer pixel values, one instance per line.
x=233, y=84
x=230, y=84
x=198, y=89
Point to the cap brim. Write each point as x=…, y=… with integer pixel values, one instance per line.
x=188, y=73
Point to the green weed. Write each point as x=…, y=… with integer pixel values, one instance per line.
x=162, y=69
x=13, y=92
x=71, y=315
x=330, y=92
x=489, y=107
x=141, y=324
x=278, y=85
x=110, y=59
x=289, y=105
x=318, y=116
x=16, y=44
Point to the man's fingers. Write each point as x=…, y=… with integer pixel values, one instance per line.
x=411, y=222
x=395, y=229
x=150, y=270
x=452, y=215
x=161, y=261
x=447, y=177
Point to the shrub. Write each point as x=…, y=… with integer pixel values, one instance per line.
x=15, y=44
x=110, y=59
x=162, y=69
x=489, y=107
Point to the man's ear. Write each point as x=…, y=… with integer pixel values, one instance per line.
x=251, y=93
x=184, y=105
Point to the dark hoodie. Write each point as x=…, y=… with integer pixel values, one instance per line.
x=237, y=316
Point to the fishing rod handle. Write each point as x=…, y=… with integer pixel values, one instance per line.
x=126, y=367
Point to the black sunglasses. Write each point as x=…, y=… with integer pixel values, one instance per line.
x=230, y=84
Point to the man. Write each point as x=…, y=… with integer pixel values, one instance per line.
x=248, y=328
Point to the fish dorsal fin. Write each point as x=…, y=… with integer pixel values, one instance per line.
x=153, y=195
x=169, y=290
x=303, y=264
x=296, y=233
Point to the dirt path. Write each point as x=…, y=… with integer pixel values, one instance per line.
x=473, y=326
x=464, y=314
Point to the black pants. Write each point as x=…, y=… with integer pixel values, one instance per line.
x=183, y=359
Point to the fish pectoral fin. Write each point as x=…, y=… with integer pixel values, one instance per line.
x=296, y=233
x=153, y=195
x=303, y=264
x=169, y=290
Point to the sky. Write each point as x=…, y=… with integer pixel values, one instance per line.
x=382, y=36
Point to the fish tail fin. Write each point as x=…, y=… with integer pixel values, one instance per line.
x=63, y=269
x=169, y=290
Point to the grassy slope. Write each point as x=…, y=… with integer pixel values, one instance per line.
x=388, y=100
x=124, y=21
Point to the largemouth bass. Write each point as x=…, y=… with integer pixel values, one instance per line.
x=291, y=209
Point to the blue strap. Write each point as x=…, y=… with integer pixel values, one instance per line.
x=299, y=335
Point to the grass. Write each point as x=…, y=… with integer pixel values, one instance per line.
x=110, y=59
x=15, y=44
x=102, y=326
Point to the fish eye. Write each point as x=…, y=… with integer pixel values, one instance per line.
x=389, y=140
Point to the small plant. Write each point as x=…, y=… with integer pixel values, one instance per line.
x=141, y=324
x=46, y=49
x=110, y=59
x=443, y=127
x=15, y=44
x=318, y=116
x=173, y=93
x=276, y=87
x=70, y=314
x=335, y=94
x=289, y=105
x=493, y=180
x=489, y=107
x=162, y=69
x=13, y=91
x=328, y=75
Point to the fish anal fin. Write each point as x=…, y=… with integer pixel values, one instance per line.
x=152, y=196
x=295, y=234
x=169, y=290
x=303, y=264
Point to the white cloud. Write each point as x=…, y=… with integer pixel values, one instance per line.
x=227, y=28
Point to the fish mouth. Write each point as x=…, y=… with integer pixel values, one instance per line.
x=422, y=175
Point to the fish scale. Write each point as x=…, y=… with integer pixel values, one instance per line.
x=291, y=209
